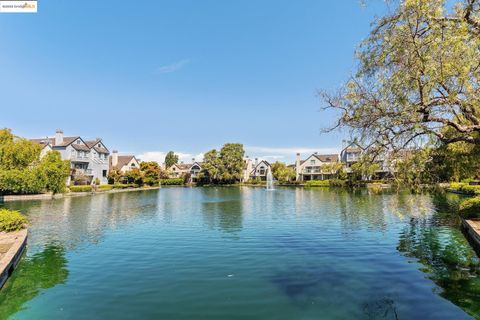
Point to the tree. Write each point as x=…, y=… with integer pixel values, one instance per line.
x=210, y=166
x=134, y=175
x=418, y=78
x=16, y=152
x=231, y=162
x=282, y=173
x=151, y=173
x=56, y=171
x=335, y=168
x=170, y=159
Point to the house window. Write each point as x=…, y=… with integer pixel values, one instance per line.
x=133, y=165
x=104, y=173
x=78, y=141
x=99, y=145
x=312, y=162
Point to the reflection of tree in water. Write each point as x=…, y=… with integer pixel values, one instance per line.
x=227, y=215
x=43, y=270
x=446, y=256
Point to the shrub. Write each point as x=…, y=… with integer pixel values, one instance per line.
x=172, y=182
x=11, y=220
x=465, y=188
x=470, y=208
x=124, y=185
x=80, y=188
x=337, y=183
x=22, y=181
x=317, y=183
x=105, y=187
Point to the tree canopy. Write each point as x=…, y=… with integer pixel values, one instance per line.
x=225, y=166
x=170, y=159
x=418, y=77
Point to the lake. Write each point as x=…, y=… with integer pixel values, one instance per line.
x=243, y=253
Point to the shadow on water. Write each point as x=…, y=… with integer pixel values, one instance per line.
x=43, y=270
x=439, y=245
x=223, y=212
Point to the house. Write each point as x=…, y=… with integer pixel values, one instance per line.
x=247, y=169
x=260, y=170
x=353, y=152
x=88, y=158
x=313, y=168
x=179, y=170
x=123, y=163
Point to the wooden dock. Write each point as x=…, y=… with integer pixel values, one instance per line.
x=12, y=245
x=472, y=230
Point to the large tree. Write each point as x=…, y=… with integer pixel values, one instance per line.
x=283, y=173
x=231, y=158
x=418, y=77
x=170, y=159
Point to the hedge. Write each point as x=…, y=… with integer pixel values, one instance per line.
x=172, y=182
x=80, y=188
x=317, y=183
x=11, y=220
x=465, y=188
x=105, y=187
x=124, y=185
x=470, y=208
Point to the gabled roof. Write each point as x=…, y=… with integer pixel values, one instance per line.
x=122, y=161
x=326, y=157
x=93, y=144
x=187, y=166
x=51, y=141
x=263, y=161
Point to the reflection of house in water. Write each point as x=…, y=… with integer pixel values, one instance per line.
x=225, y=214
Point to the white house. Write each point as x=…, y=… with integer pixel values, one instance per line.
x=247, y=169
x=88, y=158
x=123, y=163
x=260, y=170
x=313, y=168
x=179, y=170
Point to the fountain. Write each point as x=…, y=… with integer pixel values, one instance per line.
x=269, y=180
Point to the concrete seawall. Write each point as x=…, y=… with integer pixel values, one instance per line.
x=12, y=245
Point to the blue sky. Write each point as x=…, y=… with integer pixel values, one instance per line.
x=153, y=76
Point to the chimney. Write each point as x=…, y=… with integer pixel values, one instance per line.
x=315, y=152
x=193, y=160
x=58, y=137
x=297, y=166
x=114, y=158
x=256, y=162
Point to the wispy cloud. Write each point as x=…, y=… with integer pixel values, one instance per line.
x=288, y=151
x=159, y=156
x=169, y=68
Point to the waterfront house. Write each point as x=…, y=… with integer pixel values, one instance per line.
x=313, y=168
x=123, y=163
x=88, y=158
x=352, y=152
x=260, y=170
x=179, y=170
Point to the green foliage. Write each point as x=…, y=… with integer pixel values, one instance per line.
x=134, y=176
x=125, y=185
x=364, y=169
x=231, y=159
x=22, y=181
x=15, y=152
x=170, y=159
x=282, y=173
x=465, y=188
x=151, y=173
x=417, y=76
x=317, y=183
x=114, y=176
x=172, y=182
x=11, y=220
x=223, y=167
x=56, y=171
x=337, y=183
x=470, y=208
x=86, y=188
x=105, y=187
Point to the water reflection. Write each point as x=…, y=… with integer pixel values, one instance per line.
x=43, y=270
x=446, y=256
x=223, y=209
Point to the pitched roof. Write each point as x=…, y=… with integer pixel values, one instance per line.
x=94, y=144
x=80, y=147
x=122, y=161
x=51, y=141
x=326, y=157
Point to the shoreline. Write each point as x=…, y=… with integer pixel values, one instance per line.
x=15, y=243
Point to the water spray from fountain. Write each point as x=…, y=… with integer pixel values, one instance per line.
x=269, y=179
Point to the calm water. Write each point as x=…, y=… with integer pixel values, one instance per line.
x=243, y=253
